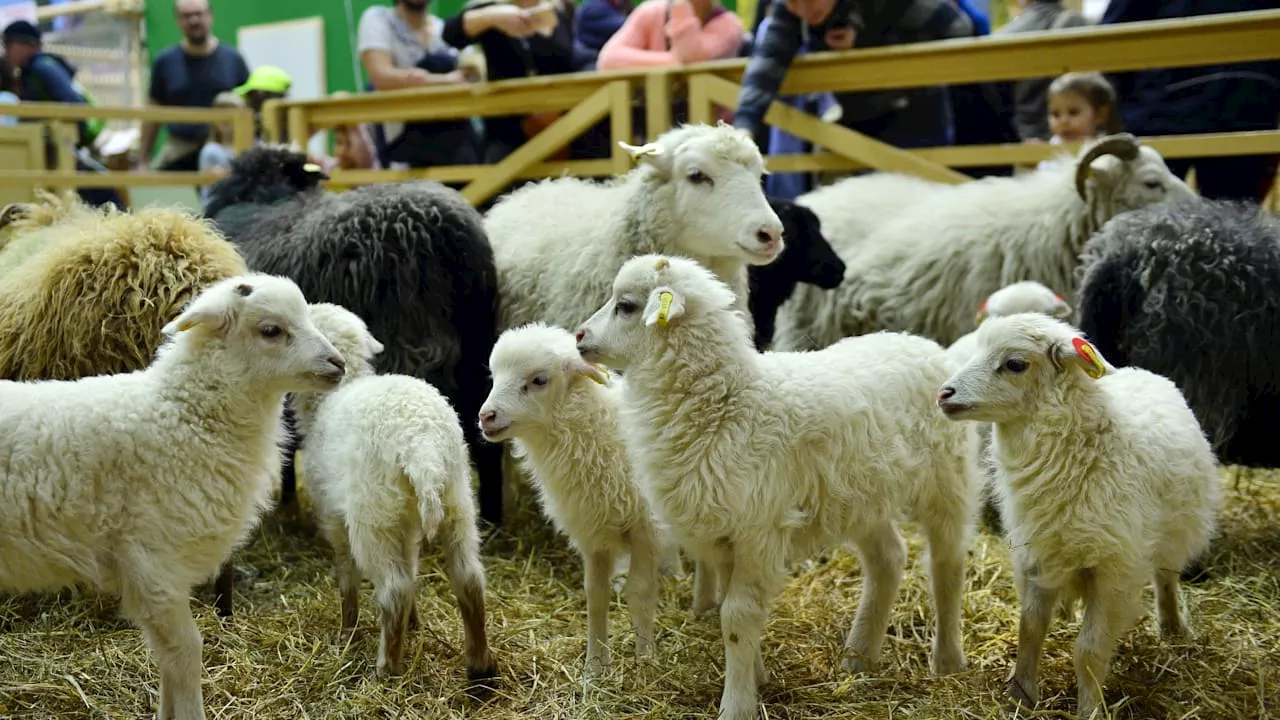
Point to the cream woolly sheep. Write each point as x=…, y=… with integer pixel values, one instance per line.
x=925, y=270
x=756, y=460
x=562, y=420
x=387, y=464
x=141, y=484
x=1020, y=297
x=1105, y=485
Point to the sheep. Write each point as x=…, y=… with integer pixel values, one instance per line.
x=697, y=192
x=1106, y=482
x=754, y=460
x=411, y=259
x=560, y=415
x=1020, y=297
x=141, y=484
x=807, y=257
x=85, y=291
x=1187, y=291
x=387, y=464
x=925, y=270
x=849, y=209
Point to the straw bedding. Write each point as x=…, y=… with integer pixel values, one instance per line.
x=283, y=655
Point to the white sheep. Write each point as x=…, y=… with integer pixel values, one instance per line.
x=925, y=270
x=141, y=484
x=697, y=193
x=757, y=460
x=560, y=415
x=388, y=467
x=1020, y=297
x=1106, y=482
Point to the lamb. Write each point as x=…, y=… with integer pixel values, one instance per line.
x=697, y=192
x=141, y=484
x=807, y=257
x=925, y=270
x=411, y=259
x=754, y=460
x=560, y=415
x=387, y=463
x=1106, y=482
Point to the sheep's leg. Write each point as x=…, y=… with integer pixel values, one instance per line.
x=394, y=594
x=411, y=550
x=597, y=567
x=1038, y=605
x=1173, y=623
x=705, y=591
x=884, y=558
x=335, y=532
x=171, y=633
x=946, y=576
x=642, y=588
x=1095, y=646
x=223, y=587
x=460, y=540
x=753, y=579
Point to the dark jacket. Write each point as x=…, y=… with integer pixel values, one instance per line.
x=50, y=78
x=1031, y=96
x=597, y=21
x=1207, y=98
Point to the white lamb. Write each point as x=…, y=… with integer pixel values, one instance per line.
x=142, y=484
x=697, y=192
x=1106, y=482
x=560, y=415
x=925, y=270
x=388, y=466
x=1020, y=297
x=758, y=460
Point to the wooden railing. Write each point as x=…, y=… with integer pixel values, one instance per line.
x=586, y=98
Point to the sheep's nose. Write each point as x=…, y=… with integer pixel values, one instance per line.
x=769, y=236
x=581, y=334
x=946, y=393
x=487, y=418
x=338, y=362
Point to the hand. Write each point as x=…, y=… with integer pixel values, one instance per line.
x=840, y=38
x=1033, y=141
x=510, y=20
x=456, y=77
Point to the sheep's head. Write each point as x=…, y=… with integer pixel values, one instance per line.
x=808, y=257
x=263, y=175
x=263, y=325
x=1121, y=174
x=652, y=296
x=349, y=334
x=710, y=177
x=533, y=367
x=1023, y=297
x=1020, y=360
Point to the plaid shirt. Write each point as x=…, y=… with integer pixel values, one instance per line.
x=877, y=23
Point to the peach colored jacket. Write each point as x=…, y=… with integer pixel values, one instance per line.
x=642, y=40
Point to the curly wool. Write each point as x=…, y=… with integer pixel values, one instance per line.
x=1189, y=291
x=99, y=284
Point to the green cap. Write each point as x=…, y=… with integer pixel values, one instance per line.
x=267, y=78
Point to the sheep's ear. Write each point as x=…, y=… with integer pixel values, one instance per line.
x=375, y=347
x=578, y=366
x=1082, y=354
x=664, y=305
x=651, y=153
x=1062, y=309
x=210, y=312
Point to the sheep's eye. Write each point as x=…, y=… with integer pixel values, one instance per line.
x=625, y=307
x=697, y=177
x=538, y=380
x=1153, y=184
x=1015, y=365
x=270, y=331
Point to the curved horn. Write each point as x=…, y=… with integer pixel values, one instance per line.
x=1122, y=145
x=12, y=212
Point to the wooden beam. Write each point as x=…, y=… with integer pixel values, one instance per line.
x=700, y=110
x=619, y=124
x=467, y=173
x=153, y=113
x=552, y=138
x=657, y=104
x=54, y=178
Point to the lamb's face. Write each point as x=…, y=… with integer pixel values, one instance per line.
x=619, y=333
x=533, y=368
x=717, y=202
x=1019, y=361
x=808, y=256
x=265, y=323
x=349, y=334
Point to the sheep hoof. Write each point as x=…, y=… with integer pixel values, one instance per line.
x=387, y=670
x=1021, y=696
x=948, y=662
x=857, y=665
x=704, y=609
x=1174, y=628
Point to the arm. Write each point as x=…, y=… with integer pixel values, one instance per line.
x=693, y=43
x=628, y=48
x=374, y=43
x=596, y=23
x=464, y=28
x=936, y=20
x=55, y=80
x=768, y=65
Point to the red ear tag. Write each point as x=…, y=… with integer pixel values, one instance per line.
x=981, y=314
x=1095, y=369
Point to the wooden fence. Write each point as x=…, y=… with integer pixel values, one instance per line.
x=586, y=98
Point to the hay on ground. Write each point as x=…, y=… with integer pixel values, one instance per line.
x=283, y=655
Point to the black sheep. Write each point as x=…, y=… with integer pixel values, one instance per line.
x=806, y=257
x=411, y=259
x=1188, y=290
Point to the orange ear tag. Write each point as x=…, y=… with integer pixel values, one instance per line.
x=982, y=313
x=1095, y=369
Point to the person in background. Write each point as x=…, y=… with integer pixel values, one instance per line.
x=595, y=22
x=189, y=74
x=402, y=46
x=216, y=155
x=917, y=117
x=8, y=90
x=673, y=32
x=1234, y=97
x=982, y=112
x=266, y=82
x=1030, y=97
x=353, y=147
x=1082, y=106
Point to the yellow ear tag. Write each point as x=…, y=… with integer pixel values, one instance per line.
x=981, y=314
x=1096, y=369
x=186, y=325
x=664, y=308
x=311, y=168
x=603, y=378
x=662, y=264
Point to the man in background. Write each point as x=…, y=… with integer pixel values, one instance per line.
x=189, y=74
x=267, y=82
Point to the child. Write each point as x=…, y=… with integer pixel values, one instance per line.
x=1082, y=106
x=215, y=156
